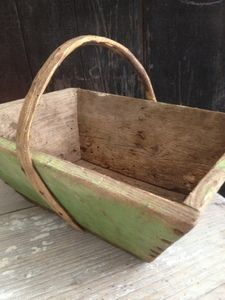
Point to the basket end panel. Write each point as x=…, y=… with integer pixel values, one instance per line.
x=203, y=193
x=55, y=129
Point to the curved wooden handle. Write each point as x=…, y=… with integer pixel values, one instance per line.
x=34, y=94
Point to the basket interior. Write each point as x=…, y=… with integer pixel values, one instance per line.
x=161, y=148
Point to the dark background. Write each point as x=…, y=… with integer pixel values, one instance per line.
x=181, y=43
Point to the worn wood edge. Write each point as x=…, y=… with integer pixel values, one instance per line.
x=7, y=105
x=154, y=189
x=150, y=103
x=179, y=215
x=203, y=193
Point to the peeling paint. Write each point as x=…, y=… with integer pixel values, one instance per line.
x=35, y=250
x=29, y=275
x=8, y=272
x=6, y=295
x=17, y=224
x=43, y=222
x=46, y=243
x=10, y=249
x=40, y=236
x=4, y=262
x=54, y=227
x=36, y=218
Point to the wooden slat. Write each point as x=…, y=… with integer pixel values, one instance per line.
x=216, y=293
x=15, y=73
x=46, y=25
x=42, y=258
x=120, y=21
x=183, y=42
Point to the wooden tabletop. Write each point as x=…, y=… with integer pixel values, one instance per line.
x=43, y=258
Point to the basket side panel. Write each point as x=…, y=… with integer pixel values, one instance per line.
x=166, y=145
x=134, y=228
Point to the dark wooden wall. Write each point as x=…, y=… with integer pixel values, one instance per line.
x=180, y=42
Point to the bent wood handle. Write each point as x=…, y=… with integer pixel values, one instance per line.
x=34, y=94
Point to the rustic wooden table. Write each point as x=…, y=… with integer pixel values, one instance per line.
x=42, y=258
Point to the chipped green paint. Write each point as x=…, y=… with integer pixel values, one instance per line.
x=133, y=228
x=221, y=165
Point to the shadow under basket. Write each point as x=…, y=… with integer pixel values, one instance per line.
x=134, y=172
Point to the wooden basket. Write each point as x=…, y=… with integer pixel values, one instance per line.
x=135, y=172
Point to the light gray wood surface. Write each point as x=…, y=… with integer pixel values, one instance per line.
x=42, y=258
x=10, y=200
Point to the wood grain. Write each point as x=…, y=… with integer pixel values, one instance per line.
x=165, y=145
x=178, y=197
x=183, y=44
x=42, y=258
x=210, y=184
x=102, y=200
x=55, y=129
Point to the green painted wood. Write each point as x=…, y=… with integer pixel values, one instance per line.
x=132, y=226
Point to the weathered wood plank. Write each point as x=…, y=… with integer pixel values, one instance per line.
x=215, y=293
x=42, y=258
x=166, y=145
x=135, y=220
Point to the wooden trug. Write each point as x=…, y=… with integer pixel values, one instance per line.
x=135, y=172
